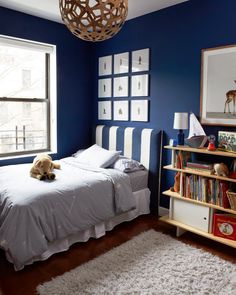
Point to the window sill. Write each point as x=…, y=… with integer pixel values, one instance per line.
x=26, y=155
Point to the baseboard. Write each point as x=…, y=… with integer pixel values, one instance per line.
x=163, y=211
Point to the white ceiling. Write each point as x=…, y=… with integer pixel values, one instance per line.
x=49, y=9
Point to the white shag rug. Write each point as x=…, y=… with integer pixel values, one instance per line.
x=151, y=263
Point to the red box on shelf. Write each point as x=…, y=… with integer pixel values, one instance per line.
x=224, y=225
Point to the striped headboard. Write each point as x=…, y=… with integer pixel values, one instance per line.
x=141, y=144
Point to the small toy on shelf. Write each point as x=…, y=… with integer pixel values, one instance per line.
x=173, y=142
x=176, y=187
x=211, y=145
x=220, y=169
x=197, y=137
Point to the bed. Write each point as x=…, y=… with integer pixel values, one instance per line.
x=40, y=218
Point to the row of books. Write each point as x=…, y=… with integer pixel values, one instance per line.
x=203, y=166
x=205, y=189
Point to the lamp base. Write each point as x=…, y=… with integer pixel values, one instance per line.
x=180, y=138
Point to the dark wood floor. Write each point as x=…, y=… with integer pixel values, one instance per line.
x=24, y=282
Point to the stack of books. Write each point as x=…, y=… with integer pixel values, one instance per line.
x=203, y=166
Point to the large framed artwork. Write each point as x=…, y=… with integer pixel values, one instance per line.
x=140, y=60
x=121, y=63
x=104, y=87
x=218, y=86
x=121, y=110
x=105, y=65
x=104, y=110
x=139, y=110
x=121, y=86
x=139, y=85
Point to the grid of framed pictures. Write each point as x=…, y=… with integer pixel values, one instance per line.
x=123, y=86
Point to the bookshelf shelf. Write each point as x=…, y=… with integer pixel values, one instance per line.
x=201, y=151
x=189, y=214
x=228, y=242
x=200, y=173
x=169, y=193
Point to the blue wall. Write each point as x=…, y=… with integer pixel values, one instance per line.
x=175, y=36
x=73, y=76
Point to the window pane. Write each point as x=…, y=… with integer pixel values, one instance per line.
x=23, y=126
x=22, y=73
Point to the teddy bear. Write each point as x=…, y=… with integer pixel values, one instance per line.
x=42, y=167
x=220, y=169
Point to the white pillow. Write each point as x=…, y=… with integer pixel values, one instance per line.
x=127, y=165
x=76, y=154
x=97, y=156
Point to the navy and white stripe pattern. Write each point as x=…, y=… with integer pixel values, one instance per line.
x=143, y=145
x=109, y=137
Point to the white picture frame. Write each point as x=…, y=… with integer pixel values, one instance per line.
x=121, y=63
x=105, y=65
x=104, y=110
x=218, y=86
x=140, y=60
x=104, y=88
x=121, y=110
x=140, y=85
x=139, y=110
x=121, y=86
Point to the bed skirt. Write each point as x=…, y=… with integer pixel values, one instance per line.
x=142, y=198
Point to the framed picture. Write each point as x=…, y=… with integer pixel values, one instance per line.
x=120, y=88
x=139, y=110
x=140, y=60
x=104, y=87
x=105, y=65
x=104, y=110
x=121, y=63
x=139, y=85
x=218, y=86
x=121, y=110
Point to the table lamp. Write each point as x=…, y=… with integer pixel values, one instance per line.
x=181, y=123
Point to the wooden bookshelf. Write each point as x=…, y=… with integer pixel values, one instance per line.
x=201, y=151
x=228, y=242
x=199, y=172
x=189, y=214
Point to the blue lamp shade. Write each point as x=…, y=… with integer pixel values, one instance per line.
x=181, y=123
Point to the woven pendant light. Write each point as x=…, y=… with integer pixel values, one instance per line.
x=94, y=20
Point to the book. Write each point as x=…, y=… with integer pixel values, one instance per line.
x=224, y=188
x=227, y=141
x=224, y=225
x=232, y=199
x=200, y=165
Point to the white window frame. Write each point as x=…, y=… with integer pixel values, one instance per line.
x=51, y=93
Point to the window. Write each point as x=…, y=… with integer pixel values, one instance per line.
x=27, y=97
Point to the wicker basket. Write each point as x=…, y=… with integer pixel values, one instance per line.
x=232, y=199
